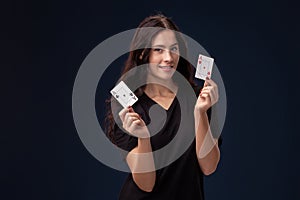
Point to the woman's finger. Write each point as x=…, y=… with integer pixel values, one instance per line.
x=136, y=122
x=131, y=120
x=204, y=95
x=127, y=121
x=213, y=91
x=204, y=92
x=212, y=96
x=128, y=115
x=209, y=82
x=207, y=88
x=122, y=113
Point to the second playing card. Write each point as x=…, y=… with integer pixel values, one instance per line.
x=204, y=67
x=124, y=95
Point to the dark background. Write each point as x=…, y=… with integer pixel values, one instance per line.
x=255, y=45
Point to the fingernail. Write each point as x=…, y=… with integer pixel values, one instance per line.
x=207, y=78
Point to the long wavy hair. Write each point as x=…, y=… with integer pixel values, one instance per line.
x=139, y=55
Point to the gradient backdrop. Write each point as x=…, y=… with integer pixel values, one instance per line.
x=255, y=45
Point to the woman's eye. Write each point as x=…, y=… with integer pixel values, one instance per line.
x=174, y=49
x=158, y=50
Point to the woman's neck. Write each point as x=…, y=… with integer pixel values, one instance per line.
x=153, y=89
x=158, y=87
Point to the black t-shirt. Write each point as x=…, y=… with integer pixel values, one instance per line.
x=183, y=178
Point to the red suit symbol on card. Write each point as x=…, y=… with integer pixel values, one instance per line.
x=200, y=60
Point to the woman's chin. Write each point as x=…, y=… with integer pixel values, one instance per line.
x=161, y=77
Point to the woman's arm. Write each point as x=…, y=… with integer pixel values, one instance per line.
x=141, y=163
x=140, y=159
x=207, y=149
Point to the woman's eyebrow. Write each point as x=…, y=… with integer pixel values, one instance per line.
x=163, y=46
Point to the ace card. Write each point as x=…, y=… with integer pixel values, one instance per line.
x=124, y=95
x=204, y=67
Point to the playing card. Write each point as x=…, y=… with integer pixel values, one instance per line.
x=204, y=67
x=124, y=95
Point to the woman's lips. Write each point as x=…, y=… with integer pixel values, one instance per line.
x=166, y=68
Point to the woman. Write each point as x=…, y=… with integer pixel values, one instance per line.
x=163, y=50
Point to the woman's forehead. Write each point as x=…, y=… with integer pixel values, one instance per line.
x=164, y=38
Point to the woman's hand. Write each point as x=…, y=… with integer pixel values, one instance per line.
x=133, y=123
x=209, y=95
x=139, y=159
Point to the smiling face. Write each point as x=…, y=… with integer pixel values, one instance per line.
x=164, y=55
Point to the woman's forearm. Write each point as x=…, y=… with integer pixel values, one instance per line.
x=141, y=163
x=207, y=149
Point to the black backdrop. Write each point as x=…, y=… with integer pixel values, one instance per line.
x=255, y=45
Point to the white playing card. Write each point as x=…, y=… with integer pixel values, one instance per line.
x=124, y=95
x=204, y=67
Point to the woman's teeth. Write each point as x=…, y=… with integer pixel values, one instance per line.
x=165, y=67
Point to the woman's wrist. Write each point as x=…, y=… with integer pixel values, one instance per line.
x=199, y=111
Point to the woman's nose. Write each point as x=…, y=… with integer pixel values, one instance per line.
x=168, y=56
